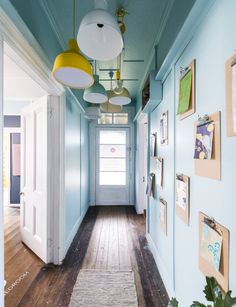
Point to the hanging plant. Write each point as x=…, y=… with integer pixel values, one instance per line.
x=213, y=294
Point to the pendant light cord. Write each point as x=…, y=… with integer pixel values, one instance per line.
x=74, y=16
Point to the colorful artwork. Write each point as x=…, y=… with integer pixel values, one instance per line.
x=181, y=194
x=211, y=246
x=185, y=92
x=204, y=141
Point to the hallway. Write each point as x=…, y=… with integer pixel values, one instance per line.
x=110, y=238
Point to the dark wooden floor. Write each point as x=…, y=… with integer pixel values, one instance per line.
x=109, y=238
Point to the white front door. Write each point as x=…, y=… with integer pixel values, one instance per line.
x=34, y=178
x=113, y=166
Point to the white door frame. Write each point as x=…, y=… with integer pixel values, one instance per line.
x=25, y=49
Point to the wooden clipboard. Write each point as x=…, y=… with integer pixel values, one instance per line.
x=211, y=168
x=222, y=277
x=184, y=214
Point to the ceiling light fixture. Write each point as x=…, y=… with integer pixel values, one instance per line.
x=70, y=67
x=99, y=35
x=96, y=93
x=107, y=106
x=120, y=95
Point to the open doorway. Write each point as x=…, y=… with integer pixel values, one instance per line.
x=21, y=263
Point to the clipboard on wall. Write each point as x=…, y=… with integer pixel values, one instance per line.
x=163, y=215
x=221, y=276
x=187, y=95
x=182, y=197
x=230, y=83
x=211, y=168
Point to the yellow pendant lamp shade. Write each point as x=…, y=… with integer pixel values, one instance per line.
x=72, y=69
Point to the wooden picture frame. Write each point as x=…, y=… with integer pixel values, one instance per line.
x=222, y=276
x=163, y=215
x=211, y=168
x=192, y=103
x=183, y=213
x=230, y=71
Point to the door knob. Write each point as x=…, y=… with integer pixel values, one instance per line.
x=22, y=193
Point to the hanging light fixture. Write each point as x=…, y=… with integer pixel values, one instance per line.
x=120, y=95
x=70, y=67
x=99, y=34
x=96, y=93
x=107, y=106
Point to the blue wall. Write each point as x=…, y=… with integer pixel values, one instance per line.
x=76, y=169
x=177, y=254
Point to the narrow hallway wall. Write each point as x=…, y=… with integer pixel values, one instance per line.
x=177, y=254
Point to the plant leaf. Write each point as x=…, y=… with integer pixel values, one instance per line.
x=198, y=304
x=211, y=289
x=173, y=302
x=227, y=301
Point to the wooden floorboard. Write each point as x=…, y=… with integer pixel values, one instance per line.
x=110, y=238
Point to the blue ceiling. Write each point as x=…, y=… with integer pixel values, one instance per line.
x=148, y=23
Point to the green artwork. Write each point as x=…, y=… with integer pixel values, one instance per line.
x=185, y=92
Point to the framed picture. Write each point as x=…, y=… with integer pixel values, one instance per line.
x=164, y=128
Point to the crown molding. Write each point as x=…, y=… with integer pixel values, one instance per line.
x=54, y=25
x=161, y=28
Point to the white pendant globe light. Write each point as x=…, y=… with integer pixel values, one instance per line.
x=99, y=35
x=96, y=93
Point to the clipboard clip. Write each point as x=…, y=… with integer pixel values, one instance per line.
x=180, y=177
x=151, y=174
x=184, y=71
x=212, y=223
x=162, y=200
x=203, y=120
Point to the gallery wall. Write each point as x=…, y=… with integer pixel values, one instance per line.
x=177, y=253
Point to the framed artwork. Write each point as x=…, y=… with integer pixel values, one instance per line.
x=163, y=214
x=164, y=128
x=159, y=179
x=182, y=197
x=230, y=70
x=204, y=140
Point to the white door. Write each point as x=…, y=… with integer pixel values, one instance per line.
x=34, y=179
x=113, y=166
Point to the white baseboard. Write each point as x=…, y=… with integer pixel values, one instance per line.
x=74, y=231
x=161, y=267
